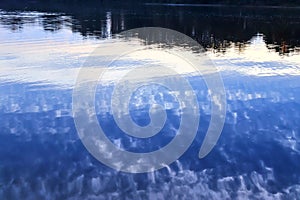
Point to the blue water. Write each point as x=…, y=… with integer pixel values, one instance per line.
x=41, y=156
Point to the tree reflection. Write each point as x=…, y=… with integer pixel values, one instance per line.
x=213, y=28
x=52, y=22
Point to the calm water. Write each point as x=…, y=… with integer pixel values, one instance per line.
x=257, y=52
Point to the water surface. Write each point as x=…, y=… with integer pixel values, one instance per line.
x=257, y=54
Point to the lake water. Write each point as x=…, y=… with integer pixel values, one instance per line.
x=257, y=53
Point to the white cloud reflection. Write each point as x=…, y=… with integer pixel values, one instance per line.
x=36, y=56
x=257, y=60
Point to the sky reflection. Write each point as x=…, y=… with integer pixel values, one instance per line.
x=34, y=55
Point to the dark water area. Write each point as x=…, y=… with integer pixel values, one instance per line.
x=212, y=27
x=256, y=50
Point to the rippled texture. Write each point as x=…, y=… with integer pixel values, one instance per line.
x=41, y=156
